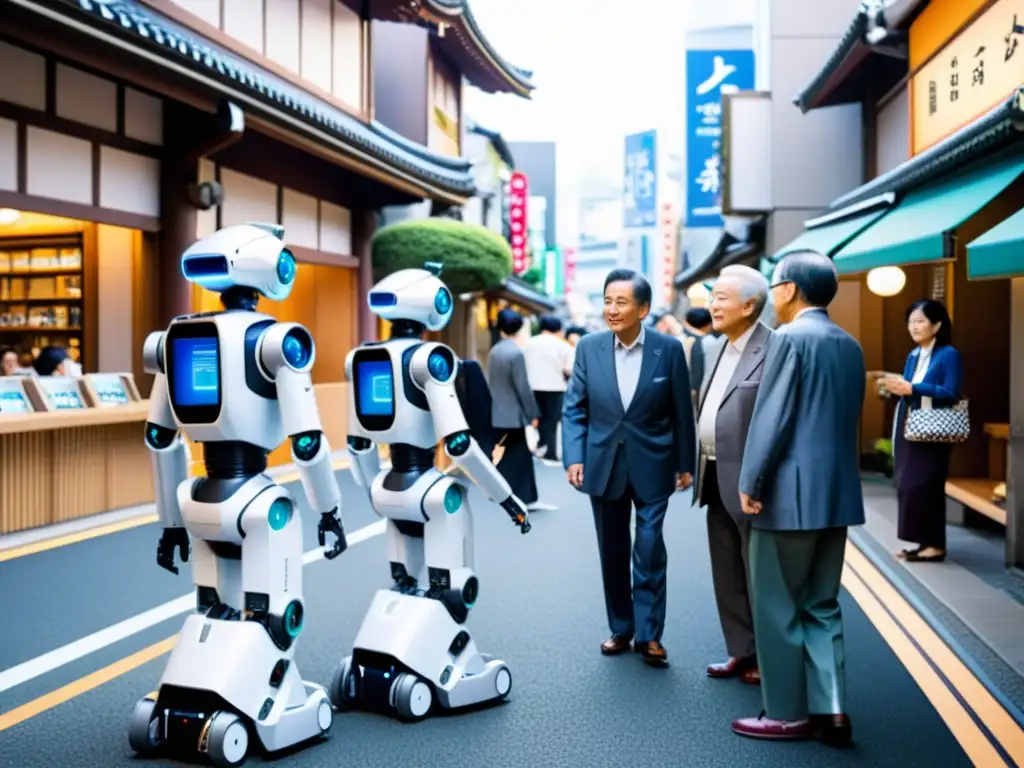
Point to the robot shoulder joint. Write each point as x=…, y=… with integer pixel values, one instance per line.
x=433, y=362
x=153, y=353
x=286, y=345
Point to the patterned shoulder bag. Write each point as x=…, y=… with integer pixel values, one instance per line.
x=925, y=424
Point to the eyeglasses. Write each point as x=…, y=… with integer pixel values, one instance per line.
x=781, y=282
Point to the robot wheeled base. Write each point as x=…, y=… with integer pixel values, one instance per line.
x=211, y=710
x=410, y=655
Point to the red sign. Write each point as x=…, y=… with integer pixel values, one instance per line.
x=519, y=193
x=570, y=268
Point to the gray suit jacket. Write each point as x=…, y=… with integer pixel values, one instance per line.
x=512, y=402
x=802, y=460
x=733, y=418
x=655, y=434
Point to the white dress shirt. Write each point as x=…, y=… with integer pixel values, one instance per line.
x=627, y=366
x=548, y=357
x=716, y=390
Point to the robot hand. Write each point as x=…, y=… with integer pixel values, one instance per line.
x=517, y=511
x=331, y=523
x=172, y=538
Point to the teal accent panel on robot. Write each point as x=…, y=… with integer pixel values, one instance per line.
x=286, y=267
x=439, y=366
x=293, y=618
x=443, y=301
x=453, y=499
x=279, y=515
x=297, y=348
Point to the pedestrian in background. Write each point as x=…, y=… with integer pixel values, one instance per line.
x=724, y=408
x=549, y=360
x=513, y=407
x=696, y=334
x=628, y=441
x=800, y=482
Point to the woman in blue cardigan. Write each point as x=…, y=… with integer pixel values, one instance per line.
x=934, y=371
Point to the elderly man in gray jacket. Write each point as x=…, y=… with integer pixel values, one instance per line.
x=800, y=482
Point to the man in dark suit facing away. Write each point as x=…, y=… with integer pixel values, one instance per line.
x=628, y=440
x=800, y=484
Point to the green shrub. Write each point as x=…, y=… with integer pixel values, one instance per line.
x=474, y=257
x=533, y=277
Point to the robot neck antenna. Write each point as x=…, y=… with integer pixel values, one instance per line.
x=240, y=297
x=407, y=329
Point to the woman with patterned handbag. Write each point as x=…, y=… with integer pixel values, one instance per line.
x=930, y=417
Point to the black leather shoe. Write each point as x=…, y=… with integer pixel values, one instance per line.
x=833, y=730
x=615, y=645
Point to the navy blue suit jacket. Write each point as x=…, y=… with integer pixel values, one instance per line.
x=942, y=380
x=656, y=434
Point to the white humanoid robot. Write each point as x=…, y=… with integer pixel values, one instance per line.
x=413, y=648
x=237, y=382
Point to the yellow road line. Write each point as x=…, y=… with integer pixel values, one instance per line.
x=85, y=684
x=1002, y=726
x=123, y=525
x=969, y=735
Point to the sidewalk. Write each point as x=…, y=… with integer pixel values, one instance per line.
x=972, y=595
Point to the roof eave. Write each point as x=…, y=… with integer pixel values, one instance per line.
x=482, y=66
x=999, y=128
x=146, y=32
x=498, y=142
x=838, y=65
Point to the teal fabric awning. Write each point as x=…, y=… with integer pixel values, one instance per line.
x=999, y=252
x=829, y=238
x=917, y=230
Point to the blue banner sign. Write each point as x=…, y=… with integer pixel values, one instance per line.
x=640, y=188
x=709, y=74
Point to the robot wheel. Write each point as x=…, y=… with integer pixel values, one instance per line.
x=225, y=739
x=343, y=686
x=411, y=696
x=503, y=681
x=144, y=730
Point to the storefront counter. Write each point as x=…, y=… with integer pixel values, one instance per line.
x=57, y=466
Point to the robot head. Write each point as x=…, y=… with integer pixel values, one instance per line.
x=245, y=256
x=416, y=295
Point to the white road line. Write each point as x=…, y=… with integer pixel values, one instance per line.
x=59, y=657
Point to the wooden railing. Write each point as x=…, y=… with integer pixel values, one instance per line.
x=64, y=465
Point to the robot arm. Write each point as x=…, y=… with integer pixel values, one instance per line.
x=286, y=352
x=169, y=456
x=362, y=450
x=432, y=369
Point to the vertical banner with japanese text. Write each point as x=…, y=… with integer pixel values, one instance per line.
x=519, y=190
x=709, y=74
x=640, y=184
x=975, y=71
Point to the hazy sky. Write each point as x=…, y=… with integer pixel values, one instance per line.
x=602, y=69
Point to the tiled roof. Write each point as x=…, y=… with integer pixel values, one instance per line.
x=851, y=39
x=184, y=47
x=465, y=42
x=1001, y=127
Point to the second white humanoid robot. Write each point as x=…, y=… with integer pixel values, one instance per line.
x=237, y=382
x=413, y=648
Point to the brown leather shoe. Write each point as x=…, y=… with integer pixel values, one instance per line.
x=729, y=668
x=615, y=645
x=833, y=730
x=772, y=730
x=751, y=676
x=653, y=653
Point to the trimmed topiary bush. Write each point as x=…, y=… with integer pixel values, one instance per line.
x=474, y=257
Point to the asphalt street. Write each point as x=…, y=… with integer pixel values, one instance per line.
x=540, y=609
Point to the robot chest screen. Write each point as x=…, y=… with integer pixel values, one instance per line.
x=193, y=367
x=374, y=381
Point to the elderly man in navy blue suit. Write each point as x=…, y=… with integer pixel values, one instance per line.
x=800, y=483
x=628, y=438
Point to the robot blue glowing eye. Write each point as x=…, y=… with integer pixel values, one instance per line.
x=443, y=301
x=440, y=365
x=286, y=267
x=297, y=348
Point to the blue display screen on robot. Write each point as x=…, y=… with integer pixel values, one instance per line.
x=376, y=385
x=196, y=371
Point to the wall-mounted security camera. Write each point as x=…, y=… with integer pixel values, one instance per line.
x=205, y=195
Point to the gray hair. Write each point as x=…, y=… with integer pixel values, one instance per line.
x=753, y=285
x=813, y=274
